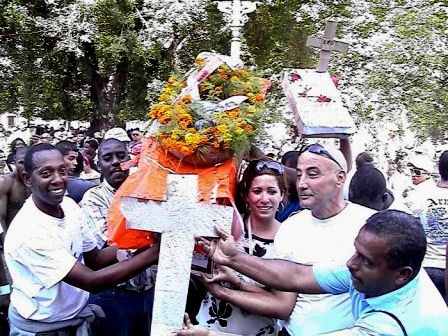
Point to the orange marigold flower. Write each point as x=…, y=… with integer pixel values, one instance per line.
x=259, y=97
x=187, y=99
x=234, y=113
x=249, y=128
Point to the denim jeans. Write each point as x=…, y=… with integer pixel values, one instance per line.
x=128, y=313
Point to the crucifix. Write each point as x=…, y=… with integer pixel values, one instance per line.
x=178, y=219
x=327, y=44
x=235, y=14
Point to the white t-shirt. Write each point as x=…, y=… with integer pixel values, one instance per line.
x=40, y=250
x=431, y=207
x=307, y=240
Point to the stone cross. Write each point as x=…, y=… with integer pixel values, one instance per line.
x=327, y=44
x=178, y=219
x=235, y=14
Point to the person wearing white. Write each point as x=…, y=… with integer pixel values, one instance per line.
x=322, y=233
x=49, y=251
x=308, y=240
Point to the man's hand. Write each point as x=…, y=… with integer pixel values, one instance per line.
x=221, y=250
x=192, y=330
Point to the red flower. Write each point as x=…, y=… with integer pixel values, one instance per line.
x=323, y=99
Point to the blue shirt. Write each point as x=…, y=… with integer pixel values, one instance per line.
x=418, y=305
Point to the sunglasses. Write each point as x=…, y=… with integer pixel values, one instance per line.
x=319, y=150
x=417, y=172
x=273, y=166
x=135, y=134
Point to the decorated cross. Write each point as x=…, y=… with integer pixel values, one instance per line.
x=235, y=14
x=178, y=220
x=327, y=44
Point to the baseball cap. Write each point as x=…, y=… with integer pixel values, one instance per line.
x=421, y=162
x=117, y=133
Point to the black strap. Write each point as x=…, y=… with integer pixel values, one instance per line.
x=393, y=316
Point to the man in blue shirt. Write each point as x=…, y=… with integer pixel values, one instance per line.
x=389, y=293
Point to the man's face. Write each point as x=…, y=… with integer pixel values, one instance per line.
x=48, y=180
x=319, y=180
x=70, y=161
x=418, y=175
x=112, y=155
x=19, y=163
x=369, y=269
x=135, y=136
x=88, y=150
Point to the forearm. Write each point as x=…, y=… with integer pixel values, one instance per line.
x=279, y=274
x=95, y=281
x=262, y=302
x=105, y=257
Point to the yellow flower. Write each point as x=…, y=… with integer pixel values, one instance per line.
x=234, y=79
x=221, y=128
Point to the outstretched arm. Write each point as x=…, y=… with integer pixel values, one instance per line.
x=92, y=281
x=278, y=274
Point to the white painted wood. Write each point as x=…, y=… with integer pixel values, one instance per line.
x=178, y=220
x=316, y=118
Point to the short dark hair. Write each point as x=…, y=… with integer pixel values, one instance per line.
x=28, y=161
x=367, y=187
x=405, y=235
x=92, y=143
x=107, y=141
x=443, y=166
x=364, y=159
x=289, y=159
x=13, y=144
x=66, y=146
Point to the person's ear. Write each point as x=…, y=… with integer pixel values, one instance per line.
x=26, y=178
x=340, y=177
x=403, y=275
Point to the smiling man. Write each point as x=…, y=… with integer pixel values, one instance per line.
x=322, y=232
x=52, y=256
x=128, y=306
x=389, y=293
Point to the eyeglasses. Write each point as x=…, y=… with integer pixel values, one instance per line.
x=272, y=166
x=135, y=134
x=418, y=172
x=319, y=150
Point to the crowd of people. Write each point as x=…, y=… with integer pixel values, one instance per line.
x=323, y=248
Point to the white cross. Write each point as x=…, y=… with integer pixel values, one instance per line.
x=327, y=44
x=178, y=219
x=235, y=14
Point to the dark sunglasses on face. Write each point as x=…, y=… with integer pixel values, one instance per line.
x=272, y=166
x=319, y=150
x=417, y=172
x=135, y=134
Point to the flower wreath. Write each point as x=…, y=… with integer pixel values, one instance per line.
x=217, y=108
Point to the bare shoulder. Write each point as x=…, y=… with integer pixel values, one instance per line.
x=6, y=182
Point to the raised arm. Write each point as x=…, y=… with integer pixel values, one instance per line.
x=278, y=274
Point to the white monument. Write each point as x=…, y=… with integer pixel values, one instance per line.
x=235, y=14
x=315, y=101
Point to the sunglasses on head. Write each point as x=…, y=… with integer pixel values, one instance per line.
x=272, y=166
x=319, y=150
